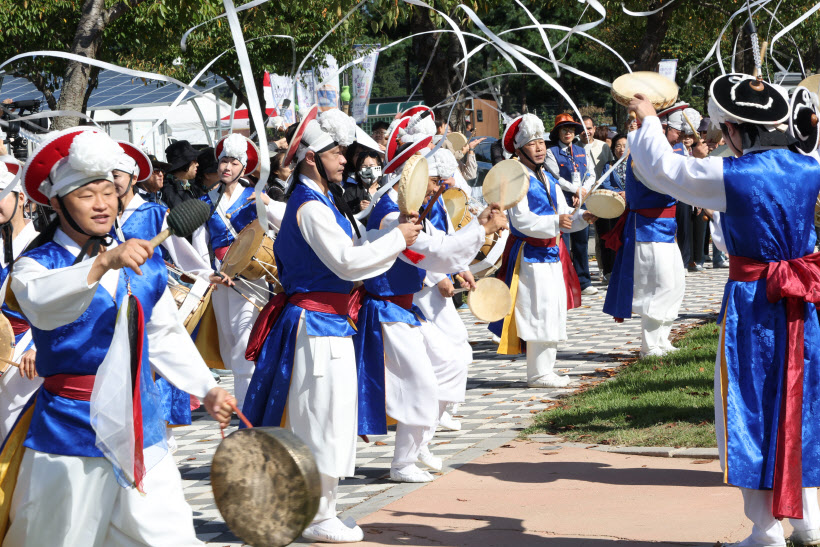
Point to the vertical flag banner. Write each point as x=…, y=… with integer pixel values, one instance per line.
x=267, y=94
x=668, y=68
x=328, y=95
x=363, y=74
x=306, y=90
x=281, y=89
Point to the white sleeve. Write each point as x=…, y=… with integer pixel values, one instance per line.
x=336, y=249
x=432, y=278
x=440, y=252
x=172, y=352
x=716, y=230
x=578, y=222
x=52, y=298
x=695, y=181
x=276, y=212
x=552, y=167
x=185, y=256
x=533, y=225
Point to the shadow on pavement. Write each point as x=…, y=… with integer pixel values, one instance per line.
x=497, y=532
x=595, y=472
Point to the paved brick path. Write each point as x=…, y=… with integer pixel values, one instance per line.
x=497, y=407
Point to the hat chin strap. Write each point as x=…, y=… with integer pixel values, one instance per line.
x=336, y=190
x=91, y=248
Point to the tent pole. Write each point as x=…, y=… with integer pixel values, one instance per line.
x=218, y=119
x=203, y=122
x=233, y=111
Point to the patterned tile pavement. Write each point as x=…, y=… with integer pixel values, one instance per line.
x=497, y=407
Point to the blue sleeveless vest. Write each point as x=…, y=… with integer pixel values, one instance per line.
x=60, y=425
x=240, y=214
x=568, y=163
x=541, y=203
x=146, y=222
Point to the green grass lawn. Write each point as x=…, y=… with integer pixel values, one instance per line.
x=666, y=401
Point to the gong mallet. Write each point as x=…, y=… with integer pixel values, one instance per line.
x=183, y=220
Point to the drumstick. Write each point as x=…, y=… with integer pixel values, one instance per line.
x=430, y=203
x=691, y=126
x=600, y=180
x=10, y=362
x=183, y=220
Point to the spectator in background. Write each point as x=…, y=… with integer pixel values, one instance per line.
x=602, y=134
x=367, y=174
x=631, y=125
x=465, y=156
x=206, y=172
x=379, y=134
x=278, y=178
x=179, y=187
x=468, y=128
x=599, y=155
x=615, y=182
x=151, y=189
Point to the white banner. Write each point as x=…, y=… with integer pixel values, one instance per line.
x=363, y=83
x=281, y=89
x=668, y=68
x=306, y=90
x=328, y=95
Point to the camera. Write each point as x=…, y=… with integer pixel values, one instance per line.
x=17, y=144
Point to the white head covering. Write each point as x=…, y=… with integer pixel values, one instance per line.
x=530, y=129
x=694, y=117
x=6, y=176
x=333, y=128
x=235, y=146
x=91, y=157
x=674, y=120
x=442, y=164
x=127, y=164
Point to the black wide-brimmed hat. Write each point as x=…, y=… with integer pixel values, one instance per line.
x=803, y=121
x=745, y=99
x=207, y=161
x=179, y=155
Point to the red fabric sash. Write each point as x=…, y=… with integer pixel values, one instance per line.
x=613, y=239
x=797, y=281
x=139, y=457
x=18, y=325
x=220, y=252
x=70, y=386
x=325, y=302
x=402, y=300
x=571, y=282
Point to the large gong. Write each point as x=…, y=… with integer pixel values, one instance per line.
x=266, y=485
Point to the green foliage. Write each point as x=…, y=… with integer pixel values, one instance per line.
x=666, y=401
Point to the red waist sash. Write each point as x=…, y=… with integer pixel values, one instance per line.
x=797, y=281
x=18, y=325
x=325, y=302
x=401, y=300
x=613, y=239
x=70, y=386
x=220, y=252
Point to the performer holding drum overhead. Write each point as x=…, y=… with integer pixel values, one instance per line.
x=233, y=209
x=767, y=386
x=305, y=378
x=532, y=265
x=92, y=472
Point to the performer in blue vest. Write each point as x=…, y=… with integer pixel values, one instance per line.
x=648, y=276
x=767, y=371
x=144, y=220
x=406, y=367
x=233, y=209
x=567, y=163
x=16, y=385
x=96, y=469
x=305, y=378
x=540, y=279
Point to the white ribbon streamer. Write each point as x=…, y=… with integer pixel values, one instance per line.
x=254, y=109
x=646, y=13
x=543, y=37
x=793, y=24
x=183, y=44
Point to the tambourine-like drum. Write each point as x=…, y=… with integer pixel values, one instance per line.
x=6, y=342
x=412, y=186
x=491, y=300
x=605, y=203
x=266, y=485
x=251, y=255
x=660, y=90
x=812, y=83
x=191, y=301
x=488, y=259
x=506, y=183
x=458, y=140
x=455, y=201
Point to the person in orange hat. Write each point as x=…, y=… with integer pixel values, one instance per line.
x=567, y=162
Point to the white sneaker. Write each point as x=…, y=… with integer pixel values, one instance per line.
x=550, y=380
x=806, y=537
x=433, y=462
x=590, y=290
x=171, y=440
x=411, y=473
x=334, y=531
x=654, y=352
x=449, y=423
x=496, y=339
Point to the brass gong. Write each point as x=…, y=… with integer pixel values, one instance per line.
x=266, y=485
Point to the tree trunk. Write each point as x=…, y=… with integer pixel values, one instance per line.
x=86, y=43
x=436, y=85
x=648, y=55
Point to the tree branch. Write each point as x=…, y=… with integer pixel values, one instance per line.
x=117, y=10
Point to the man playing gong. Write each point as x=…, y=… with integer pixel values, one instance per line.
x=767, y=371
